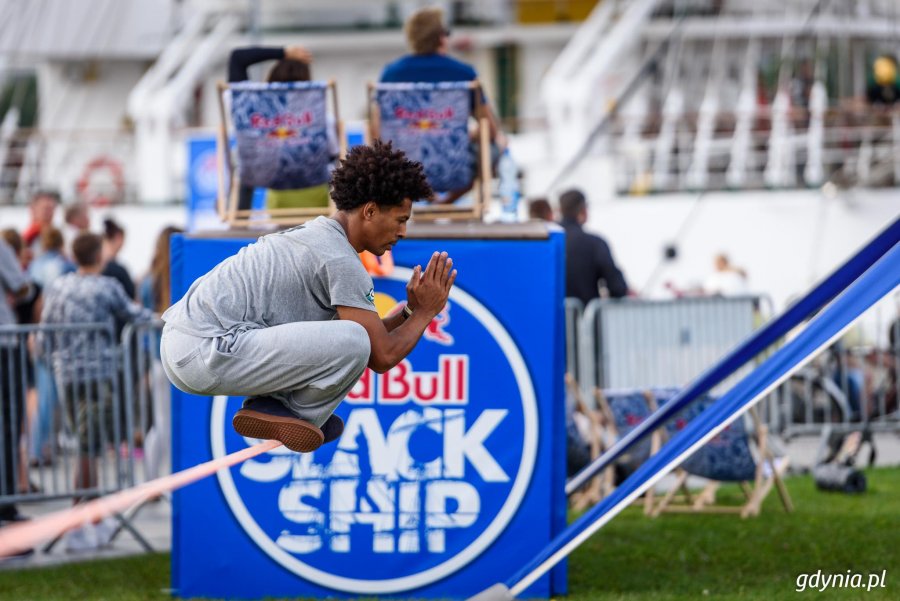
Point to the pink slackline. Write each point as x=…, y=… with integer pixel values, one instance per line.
x=26, y=535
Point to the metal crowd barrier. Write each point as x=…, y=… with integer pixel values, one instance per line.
x=846, y=388
x=78, y=413
x=628, y=343
x=574, y=315
x=632, y=343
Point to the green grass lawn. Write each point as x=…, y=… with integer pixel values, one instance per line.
x=674, y=557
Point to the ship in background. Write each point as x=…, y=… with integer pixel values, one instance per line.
x=695, y=127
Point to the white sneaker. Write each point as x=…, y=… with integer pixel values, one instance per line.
x=82, y=539
x=105, y=530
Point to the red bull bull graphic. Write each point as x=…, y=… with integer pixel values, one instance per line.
x=434, y=487
x=437, y=329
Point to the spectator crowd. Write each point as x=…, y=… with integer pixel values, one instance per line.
x=67, y=284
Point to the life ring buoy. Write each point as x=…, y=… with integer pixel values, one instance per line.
x=103, y=196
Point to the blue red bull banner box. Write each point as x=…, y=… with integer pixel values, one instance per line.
x=450, y=472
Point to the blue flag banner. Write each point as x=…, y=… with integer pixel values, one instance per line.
x=281, y=132
x=430, y=123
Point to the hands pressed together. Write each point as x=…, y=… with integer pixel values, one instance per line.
x=429, y=291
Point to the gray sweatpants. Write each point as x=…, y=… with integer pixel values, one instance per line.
x=309, y=366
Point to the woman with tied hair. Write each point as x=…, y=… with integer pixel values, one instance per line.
x=50, y=264
x=113, y=241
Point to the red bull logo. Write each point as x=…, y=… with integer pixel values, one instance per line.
x=281, y=121
x=424, y=114
x=282, y=133
x=437, y=329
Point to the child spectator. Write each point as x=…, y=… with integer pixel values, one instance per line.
x=50, y=263
x=84, y=363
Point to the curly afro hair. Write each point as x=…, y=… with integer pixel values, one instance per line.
x=377, y=173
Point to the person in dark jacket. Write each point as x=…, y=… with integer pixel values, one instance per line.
x=589, y=261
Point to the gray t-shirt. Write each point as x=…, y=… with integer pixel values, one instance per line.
x=300, y=274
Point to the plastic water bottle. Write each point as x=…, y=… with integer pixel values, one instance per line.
x=508, y=186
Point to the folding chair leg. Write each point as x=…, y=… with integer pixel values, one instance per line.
x=655, y=445
x=609, y=480
x=648, y=502
x=661, y=506
x=779, y=484
x=707, y=496
x=688, y=497
x=753, y=506
x=784, y=495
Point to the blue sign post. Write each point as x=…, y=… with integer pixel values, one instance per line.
x=451, y=469
x=203, y=185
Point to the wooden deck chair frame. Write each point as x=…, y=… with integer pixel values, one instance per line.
x=680, y=500
x=482, y=183
x=656, y=437
x=603, y=483
x=227, y=201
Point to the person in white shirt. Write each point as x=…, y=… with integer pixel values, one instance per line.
x=726, y=279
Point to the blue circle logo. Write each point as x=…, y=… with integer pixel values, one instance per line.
x=435, y=458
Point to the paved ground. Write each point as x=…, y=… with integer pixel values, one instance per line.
x=154, y=519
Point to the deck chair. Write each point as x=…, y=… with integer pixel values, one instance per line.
x=737, y=454
x=430, y=123
x=281, y=139
x=593, y=429
x=623, y=411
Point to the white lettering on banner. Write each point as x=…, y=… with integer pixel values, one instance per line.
x=439, y=521
x=291, y=505
x=373, y=505
x=459, y=445
x=377, y=483
x=449, y=385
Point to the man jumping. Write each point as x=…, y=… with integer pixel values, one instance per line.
x=290, y=321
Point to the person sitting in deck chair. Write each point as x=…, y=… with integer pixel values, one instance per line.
x=429, y=40
x=293, y=64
